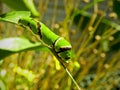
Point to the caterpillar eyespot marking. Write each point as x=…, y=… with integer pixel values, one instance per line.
x=62, y=49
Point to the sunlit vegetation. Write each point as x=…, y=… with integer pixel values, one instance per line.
x=91, y=26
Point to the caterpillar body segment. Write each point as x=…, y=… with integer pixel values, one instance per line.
x=31, y=23
x=47, y=35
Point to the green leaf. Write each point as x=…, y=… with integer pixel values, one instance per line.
x=14, y=16
x=9, y=46
x=22, y=5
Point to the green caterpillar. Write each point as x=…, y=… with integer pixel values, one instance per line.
x=60, y=46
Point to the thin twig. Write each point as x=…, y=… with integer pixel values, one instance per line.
x=64, y=66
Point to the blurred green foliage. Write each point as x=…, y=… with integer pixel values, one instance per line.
x=14, y=45
x=94, y=33
x=22, y=5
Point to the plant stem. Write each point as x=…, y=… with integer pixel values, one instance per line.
x=64, y=66
x=62, y=62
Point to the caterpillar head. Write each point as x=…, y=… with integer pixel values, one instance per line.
x=63, y=48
